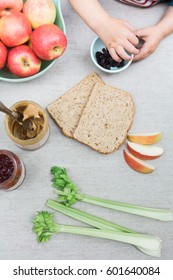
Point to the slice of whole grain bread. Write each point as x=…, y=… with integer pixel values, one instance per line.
x=106, y=119
x=67, y=110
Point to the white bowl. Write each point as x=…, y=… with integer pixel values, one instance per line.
x=97, y=45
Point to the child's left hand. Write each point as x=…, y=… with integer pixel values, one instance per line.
x=151, y=37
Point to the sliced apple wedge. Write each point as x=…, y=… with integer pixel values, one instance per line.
x=138, y=164
x=145, y=138
x=145, y=152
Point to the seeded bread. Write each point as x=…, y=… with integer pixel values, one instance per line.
x=67, y=110
x=106, y=119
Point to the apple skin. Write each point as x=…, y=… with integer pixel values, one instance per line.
x=10, y=6
x=15, y=29
x=144, y=152
x=48, y=41
x=39, y=12
x=145, y=138
x=137, y=164
x=3, y=55
x=23, y=62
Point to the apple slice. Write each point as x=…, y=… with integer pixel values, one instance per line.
x=145, y=138
x=138, y=164
x=145, y=152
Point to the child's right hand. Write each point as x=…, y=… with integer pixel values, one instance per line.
x=119, y=37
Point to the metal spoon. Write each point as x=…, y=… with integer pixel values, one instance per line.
x=17, y=116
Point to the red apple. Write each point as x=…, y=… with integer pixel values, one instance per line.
x=146, y=152
x=15, y=29
x=10, y=6
x=137, y=164
x=3, y=55
x=48, y=41
x=39, y=12
x=23, y=62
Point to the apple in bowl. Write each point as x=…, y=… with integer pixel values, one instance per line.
x=15, y=29
x=23, y=62
x=3, y=55
x=39, y=12
x=48, y=41
x=5, y=74
x=10, y=6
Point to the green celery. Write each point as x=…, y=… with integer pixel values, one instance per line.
x=85, y=217
x=45, y=227
x=68, y=195
x=96, y=222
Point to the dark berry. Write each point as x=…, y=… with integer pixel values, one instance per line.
x=105, y=60
x=98, y=55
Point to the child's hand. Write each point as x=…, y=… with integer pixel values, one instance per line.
x=151, y=37
x=119, y=37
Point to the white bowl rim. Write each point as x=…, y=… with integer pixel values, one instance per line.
x=106, y=70
x=19, y=80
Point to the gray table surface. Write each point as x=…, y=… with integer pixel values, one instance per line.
x=150, y=83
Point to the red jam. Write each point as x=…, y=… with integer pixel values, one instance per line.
x=6, y=168
x=12, y=170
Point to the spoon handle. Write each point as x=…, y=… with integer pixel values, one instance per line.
x=17, y=116
x=4, y=109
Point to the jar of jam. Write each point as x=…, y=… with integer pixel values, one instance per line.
x=12, y=170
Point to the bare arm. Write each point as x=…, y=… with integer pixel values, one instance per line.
x=153, y=35
x=118, y=35
x=91, y=12
x=166, y=23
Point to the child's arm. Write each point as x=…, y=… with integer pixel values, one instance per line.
x=118, y=35
x=154, y=34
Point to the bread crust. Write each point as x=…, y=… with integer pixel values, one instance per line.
x=56, y=108
x=86, y=104
x=83, y=120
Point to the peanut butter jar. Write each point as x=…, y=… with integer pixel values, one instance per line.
x=12, y=170
x=28, y=140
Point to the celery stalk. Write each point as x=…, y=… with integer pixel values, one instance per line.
x=149, y=242
x=96, y=222
x=85, y=217
x=45, y=227
x=68, y=195
x=148, y=212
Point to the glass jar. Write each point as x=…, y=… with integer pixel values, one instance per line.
x=38, y=140
x=12, y=170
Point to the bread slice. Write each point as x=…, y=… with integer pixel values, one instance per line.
x=67, y=110
x=106, y=119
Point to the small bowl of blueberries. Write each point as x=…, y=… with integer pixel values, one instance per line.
x=102, y=59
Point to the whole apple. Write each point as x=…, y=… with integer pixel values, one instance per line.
x=39, y=12
x=23, y=62
x=3, y=55
x=15, y=29
x=10, y=6
x=48, y=41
